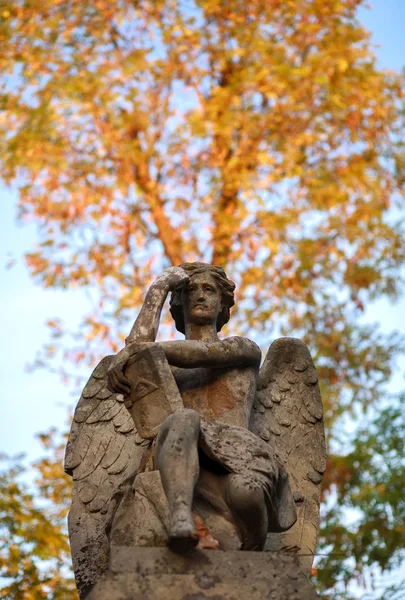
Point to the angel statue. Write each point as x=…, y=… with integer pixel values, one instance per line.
x=191, y=443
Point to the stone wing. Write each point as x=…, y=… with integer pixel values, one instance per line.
x=102, y=453
x=288, y=415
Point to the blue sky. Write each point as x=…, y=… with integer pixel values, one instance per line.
x=33, y=402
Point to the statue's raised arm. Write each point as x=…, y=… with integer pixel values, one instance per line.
x=205, y=472
x=146, y=326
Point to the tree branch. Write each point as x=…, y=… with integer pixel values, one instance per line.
x=168, y=235
x=225, y=225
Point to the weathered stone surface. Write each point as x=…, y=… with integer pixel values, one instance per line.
x=154, y=394
x=288, y=378
x=157, y=574
x=142, y=518
x=190, y=443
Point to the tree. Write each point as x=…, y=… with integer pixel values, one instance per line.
x=367, y=481
x=34, y=551
x=258, y=135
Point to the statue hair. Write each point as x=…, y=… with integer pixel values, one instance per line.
x=225, y=285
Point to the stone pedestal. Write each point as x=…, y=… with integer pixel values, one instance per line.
x=158, y=574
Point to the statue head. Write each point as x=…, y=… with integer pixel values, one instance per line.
x=224, y=288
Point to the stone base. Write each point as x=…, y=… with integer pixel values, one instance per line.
x=158, y=574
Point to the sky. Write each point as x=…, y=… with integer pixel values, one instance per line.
x=35, y=401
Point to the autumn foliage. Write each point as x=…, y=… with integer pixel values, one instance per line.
x=257, y=135
x=34, y=550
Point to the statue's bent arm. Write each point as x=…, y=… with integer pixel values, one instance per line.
x=231, y=352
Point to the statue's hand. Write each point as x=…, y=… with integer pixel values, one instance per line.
x=172, y=278
x=117, y=382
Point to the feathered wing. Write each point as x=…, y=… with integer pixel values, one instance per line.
x=288, y=415
x=102, y=453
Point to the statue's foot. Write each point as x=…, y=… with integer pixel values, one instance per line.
x=183, y=537
x=183, y=534
x=206, y=540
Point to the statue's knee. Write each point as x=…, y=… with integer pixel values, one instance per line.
x=185, y=423
x=184, y=418
x=245, y=494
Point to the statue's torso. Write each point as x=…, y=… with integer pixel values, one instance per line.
x=225, y=395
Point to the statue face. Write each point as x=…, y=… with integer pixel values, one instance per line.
x=201, y=300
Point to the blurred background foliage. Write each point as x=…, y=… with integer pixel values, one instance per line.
x=260, y=136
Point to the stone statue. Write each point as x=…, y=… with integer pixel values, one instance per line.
x=191, y=443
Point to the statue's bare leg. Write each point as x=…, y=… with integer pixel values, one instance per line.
x=177, y=461
x=246, y=500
